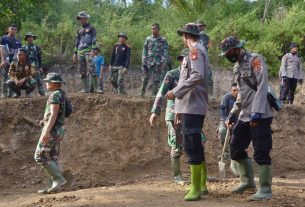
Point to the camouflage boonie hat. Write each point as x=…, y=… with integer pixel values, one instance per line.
x=189, y=28
x=54, y=78
x=229, y=43
x=123, y=34
x=29, y=34
x=200, y=23
x=82, y=15
x=293, y=44
x=184, y=53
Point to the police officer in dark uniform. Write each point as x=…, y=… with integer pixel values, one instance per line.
x=254, y=121
x=119, y=63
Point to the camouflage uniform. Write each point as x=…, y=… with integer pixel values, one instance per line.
x=24, y=74
x=34, y=57
x=85, y=41
x=155, y=54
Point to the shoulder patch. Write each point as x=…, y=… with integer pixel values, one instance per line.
x=256, y=64
x=194, y=54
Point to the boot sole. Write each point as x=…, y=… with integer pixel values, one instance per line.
x=243, y=191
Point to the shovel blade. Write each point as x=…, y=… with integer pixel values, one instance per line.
x=222, y=169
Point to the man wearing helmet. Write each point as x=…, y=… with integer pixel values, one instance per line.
x=291, y=72
x=85, y=41
x=254, y=121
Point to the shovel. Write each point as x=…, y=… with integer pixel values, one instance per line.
x=221, y=164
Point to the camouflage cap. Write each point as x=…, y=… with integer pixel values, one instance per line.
x=123, y=34
x=189, y=28
x=293, y=44
x=229, y=43
x=200, y=23
x=29, y=34
x=82, y=15
x=184, y=53
x=54, y=78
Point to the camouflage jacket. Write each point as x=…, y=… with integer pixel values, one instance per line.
x=155, y=51
x=34, y=54
x=56, y=97
x=18, y=72
x=170, y=81
x=204, y=40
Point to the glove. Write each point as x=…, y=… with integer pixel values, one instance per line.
x=255, y=117
x=300, y=81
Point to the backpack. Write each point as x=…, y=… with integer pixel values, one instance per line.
x=68, y=105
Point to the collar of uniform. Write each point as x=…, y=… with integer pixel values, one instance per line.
x=86, y=25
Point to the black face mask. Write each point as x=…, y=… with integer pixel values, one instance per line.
x=294, y=53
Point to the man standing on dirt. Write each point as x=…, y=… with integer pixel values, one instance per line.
x=10, y=45
x=47, y=150
x=254, y=121
x=226, y=106
x=154, y=59
x=191, y=105
x=85, y=41
x=291, y=72
x=119, y=63
x=34, y=58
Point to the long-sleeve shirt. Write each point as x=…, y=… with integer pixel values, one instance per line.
x=18, y=71
x=120, y=56
x=170, y=81
x=85, y=39
x=155, y=51
x=11, y=45
x=192, y=90
x=252, y=69
x=226, y=105
x=34, y=54
x=291, y=67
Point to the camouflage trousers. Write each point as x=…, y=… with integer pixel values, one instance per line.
x=83, y=64
x=28, y=85
x=174, y=139
x=210, y=83
x=44, y=154
x=117, y=77
x=152, y=72
x=4, y=79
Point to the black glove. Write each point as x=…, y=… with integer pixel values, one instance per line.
x=300, y=81
x=231, y=119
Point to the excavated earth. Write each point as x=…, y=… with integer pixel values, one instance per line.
x=112, y=157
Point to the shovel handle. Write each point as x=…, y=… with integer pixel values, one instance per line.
x=225, y=144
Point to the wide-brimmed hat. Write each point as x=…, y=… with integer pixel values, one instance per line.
x=229, y=43
x=29, y=34
x=200, y=23
x=54, y=78
x=123, y=34
x=82, y=15
x=189, y=28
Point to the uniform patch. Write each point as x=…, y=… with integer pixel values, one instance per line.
x=194, y=54
x=87, y=30
x=256, y=64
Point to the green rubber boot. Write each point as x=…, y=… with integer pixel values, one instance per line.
x=95, y=85
x=85, y=84
x=155, y=88
x=194, y=194
x=45, y=190
x=143, y=89
x=265, y=182
x=58, y=180
x=176, y=171
x=245, y=169
x=203, y=187
x=233, y=167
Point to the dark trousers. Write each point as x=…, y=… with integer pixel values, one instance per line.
x=261, y=137
x=191, y=131
x=288, y=89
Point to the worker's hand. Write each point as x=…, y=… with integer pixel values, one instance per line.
x=45, y=137
x=74, y=58
x=170, y=95
x=230, y=120
x=178, y=120
x=255, y=118
x=3, y=63
x=152, y=119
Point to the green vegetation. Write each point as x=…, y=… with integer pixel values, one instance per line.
x=267, y=26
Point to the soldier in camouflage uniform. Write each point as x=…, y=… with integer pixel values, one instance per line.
x=47, y=150
x=22, y=75
x=154, y=59
x=34, y=58
x=205, y=41
x=85, y=41
x=174, y=133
